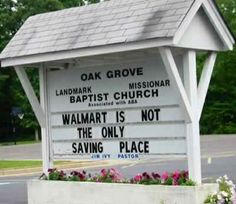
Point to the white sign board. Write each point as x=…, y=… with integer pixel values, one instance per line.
x=121, y=111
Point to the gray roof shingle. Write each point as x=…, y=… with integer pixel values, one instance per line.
x=114, y=21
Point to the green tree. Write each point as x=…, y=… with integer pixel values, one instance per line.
x=219, y=114
x=12, y=16
x=72, y=3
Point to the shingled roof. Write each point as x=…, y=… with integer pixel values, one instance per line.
x=116, y=26
x=110, y=22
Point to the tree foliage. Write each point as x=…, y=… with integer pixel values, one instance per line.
x=219, y=114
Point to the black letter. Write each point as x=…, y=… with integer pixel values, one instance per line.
x=66, y=119
x=122, y=146
x=72, y=99
x=83, y=77
x=139, y=71
x=146, y=146
x=74, y=147
x=144, y=115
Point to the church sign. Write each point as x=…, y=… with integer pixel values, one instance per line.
x=118, y=79
x=118, y=111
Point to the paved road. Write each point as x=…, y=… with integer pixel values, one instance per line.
x=218, y=158
x=28, y=151
x=13, y=190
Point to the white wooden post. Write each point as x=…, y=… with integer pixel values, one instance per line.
x=175, y=78
x=193, y=133
x=205, y=81
x=46, y=141
x=29, y=91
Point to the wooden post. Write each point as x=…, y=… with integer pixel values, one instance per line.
x=205, y=81
x=29, y=91
x=193, y=133
x=175, y=78
x=46, y=141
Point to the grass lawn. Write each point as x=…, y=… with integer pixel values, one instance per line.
x=11, y=164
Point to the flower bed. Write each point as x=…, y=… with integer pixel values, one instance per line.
x=113, y=176
x=109, y=187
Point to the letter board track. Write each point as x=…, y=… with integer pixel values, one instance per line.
x=121, y=111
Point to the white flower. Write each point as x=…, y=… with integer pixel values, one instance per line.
x=219, y=197
x=226, y=177
x=230, y=183
x=224, y=194
x=218, y=180
x=228, y=195
x=232, y=191
x=215, y=193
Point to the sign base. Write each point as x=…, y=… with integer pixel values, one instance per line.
x=59, y=192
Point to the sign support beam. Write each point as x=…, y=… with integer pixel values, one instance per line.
x=46, y=141
x=34, y=102
x=205, y=81
x=193, y=133
x=174, y=76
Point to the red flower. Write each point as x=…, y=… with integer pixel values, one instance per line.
x=146, y=176
x=74, y=173
x=185, y=174
x=138, y=178
x=115, y=174
x=103, y=172
x=156, y=176
x=176, y=175
x=52, y=170
x=81, y=176
x=165, y=175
